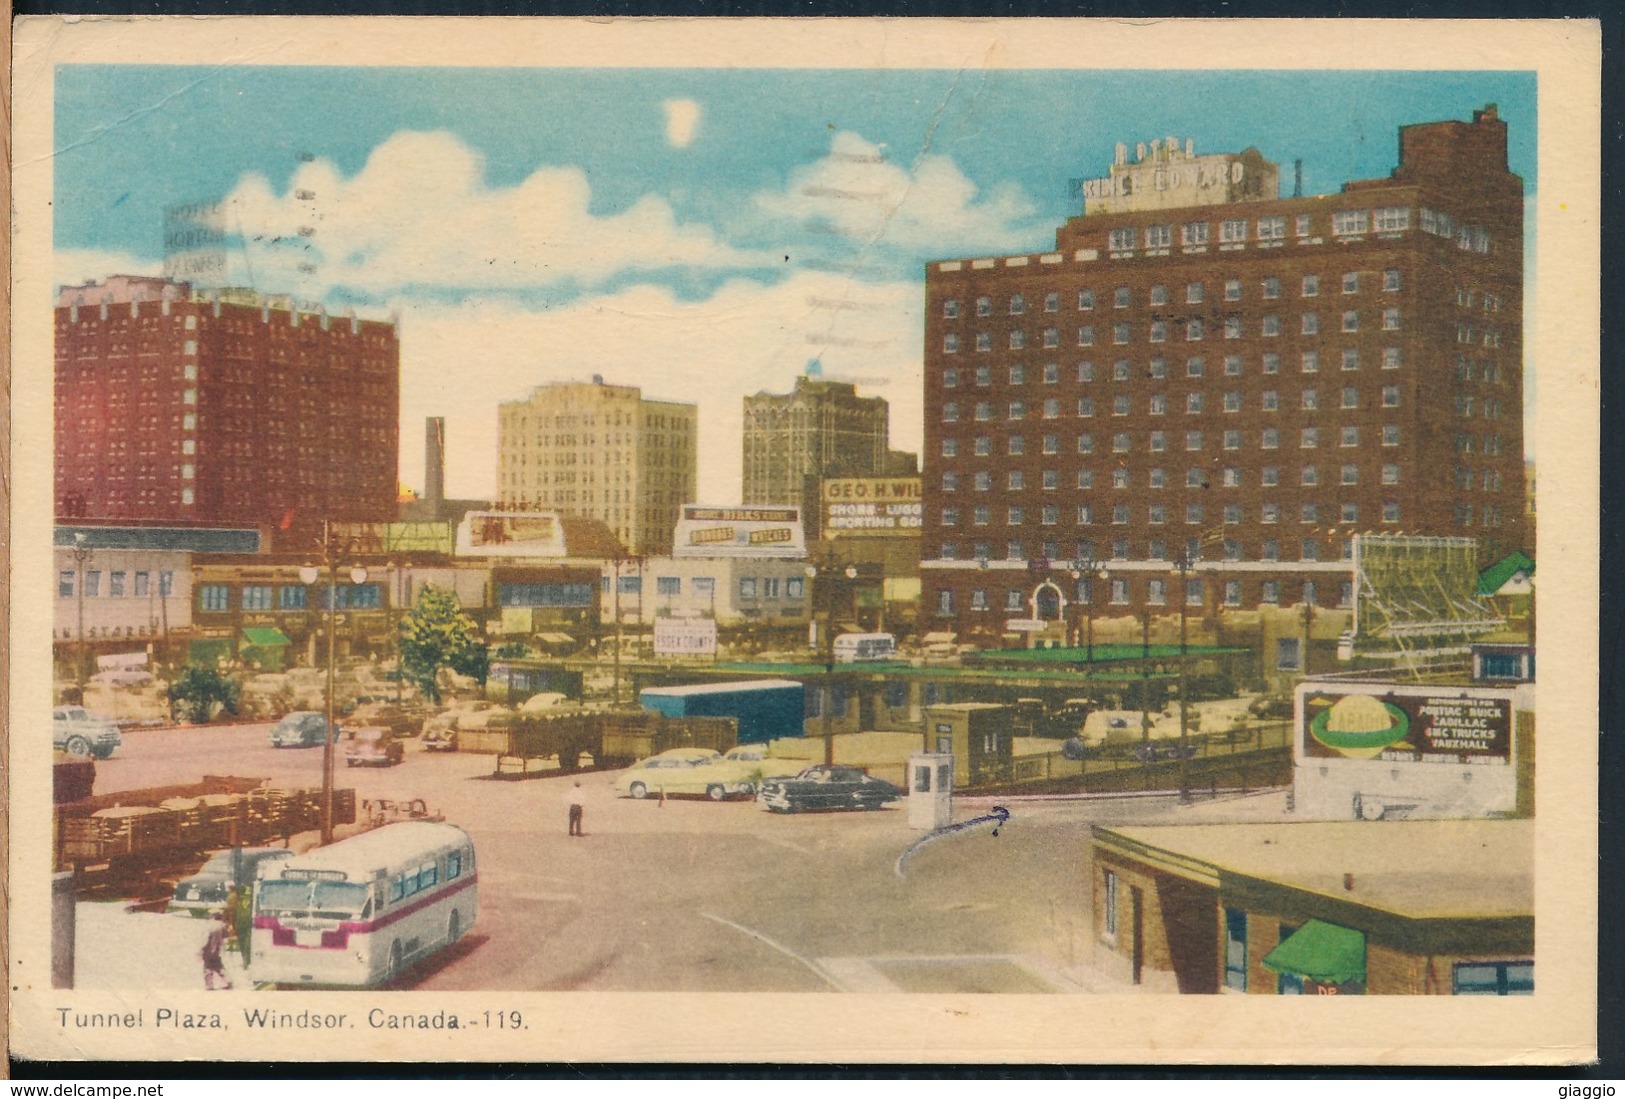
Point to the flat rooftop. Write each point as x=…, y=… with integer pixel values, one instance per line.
x=1428, y=869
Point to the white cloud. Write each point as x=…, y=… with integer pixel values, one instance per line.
x=420, y=214
x=460, y=362
x=72, y=266
x=682, y=120
x=858, y=190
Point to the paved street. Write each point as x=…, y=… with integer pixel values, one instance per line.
x=693, y=895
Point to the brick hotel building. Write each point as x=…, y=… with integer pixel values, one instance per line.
x=226, y=408
x=1202, y=372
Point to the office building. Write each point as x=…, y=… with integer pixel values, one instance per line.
x=228, y=408
x=1202, y=372
x=820, y=429
x=600, y=452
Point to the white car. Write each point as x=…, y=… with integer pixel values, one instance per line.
x=79, y=732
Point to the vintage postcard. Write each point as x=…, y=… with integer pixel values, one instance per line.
x=804, y=541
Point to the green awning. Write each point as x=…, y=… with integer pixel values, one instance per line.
x=1322, y=952
x=1492, y=579
x=265, y=637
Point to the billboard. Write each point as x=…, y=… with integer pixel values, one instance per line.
x=704, y=531
x=510, y=534
x=685, y=636
x=886, y=506
x=1395, y=724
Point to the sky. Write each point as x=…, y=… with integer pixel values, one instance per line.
x=705, y=234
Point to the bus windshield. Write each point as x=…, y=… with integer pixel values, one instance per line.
x=325, y=900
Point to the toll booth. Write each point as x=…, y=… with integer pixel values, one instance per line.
x=979, y=737
x=930, y=790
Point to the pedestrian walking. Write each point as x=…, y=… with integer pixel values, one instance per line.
x=577, y=799
x=213, y=966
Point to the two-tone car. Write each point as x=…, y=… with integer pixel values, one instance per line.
x=827, y=787
x=204, y=893
x=79, y=732
x=302, y=729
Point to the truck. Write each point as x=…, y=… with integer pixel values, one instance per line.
x=612, y=739
x=859, y=648
x=766, y=709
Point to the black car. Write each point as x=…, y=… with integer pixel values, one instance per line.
x=827, y=787
x=204, y=893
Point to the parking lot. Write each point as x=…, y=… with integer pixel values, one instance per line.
x=694, y=895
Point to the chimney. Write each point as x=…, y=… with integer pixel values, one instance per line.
x=434, y=463
x=1297, y=178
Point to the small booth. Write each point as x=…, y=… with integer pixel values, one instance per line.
x=977, y=736
x=930, y=790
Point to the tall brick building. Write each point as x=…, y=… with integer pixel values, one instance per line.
x=227, y=408
x=1203, y=370
x=600, y=452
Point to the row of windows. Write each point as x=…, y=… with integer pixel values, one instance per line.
x=1049, y=515
x=216, y=598
x=1195, y=367
x=1271, y=227
x=1230, y=401
x=1195, y=293
x=1122, y=549
x=120, y=583
x=1196, y=329
x=1157, y=441
x=1153, y=592
x=1015, y=480
x=424, y=877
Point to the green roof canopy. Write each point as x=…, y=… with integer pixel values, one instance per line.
x=1322, y=952
x=265, y=637
x=1492, y=578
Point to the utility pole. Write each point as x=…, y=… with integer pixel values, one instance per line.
x=81, y=554
x=1185, y=566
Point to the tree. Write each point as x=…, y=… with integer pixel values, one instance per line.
x=193, y=694
x=437, y=634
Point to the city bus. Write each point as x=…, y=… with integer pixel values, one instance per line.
x=855, y=648
x=355, y=913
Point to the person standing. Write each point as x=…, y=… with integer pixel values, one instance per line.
x=213, y=966
x=244, y=923
x=577, y=799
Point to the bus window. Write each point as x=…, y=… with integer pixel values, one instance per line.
x=454, y=864
x=428, y=874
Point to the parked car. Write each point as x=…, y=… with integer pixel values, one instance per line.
x=79, y=732
x=404, y=719
x=301, y=729
x=440, y=730
x=827, y=787
x=756, y=765
x=375, y=747
x=204, y=893
x=1148, y=753
x=675, y=771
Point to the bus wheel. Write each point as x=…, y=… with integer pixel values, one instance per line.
x=455, y=930
x=395, y=958
x=715, y=792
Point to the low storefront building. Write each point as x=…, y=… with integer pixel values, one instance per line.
x=1394, y=907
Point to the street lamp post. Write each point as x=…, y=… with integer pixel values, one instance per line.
x=81, y=554
x=828, y=569
x=397, y=599
x=309, y=574
x=1184, y=565
x=1086, y=570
